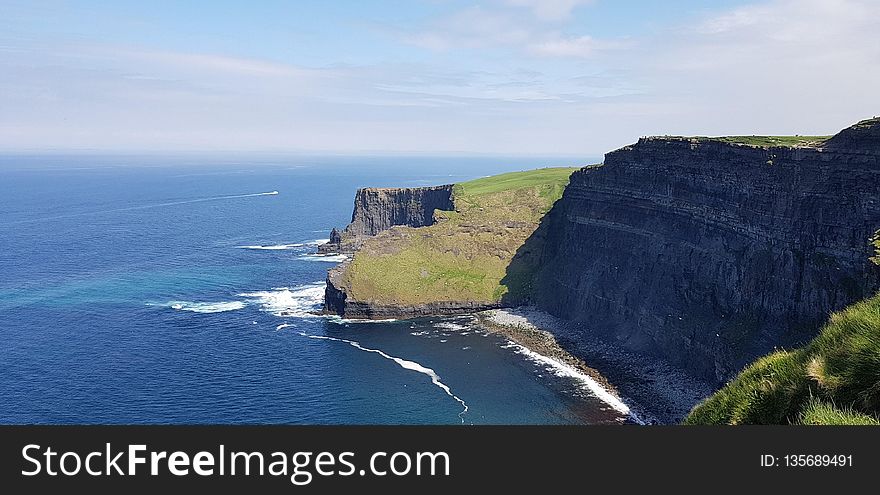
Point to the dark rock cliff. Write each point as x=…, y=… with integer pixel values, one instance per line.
x=710, y=254
x=378, y=209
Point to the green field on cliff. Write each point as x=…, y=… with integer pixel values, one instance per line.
x=467, y=255
x=772, y=141
x=833, y=380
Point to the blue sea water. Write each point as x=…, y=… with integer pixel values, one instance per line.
x=140, y=290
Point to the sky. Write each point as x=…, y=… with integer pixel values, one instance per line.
x=510, y=77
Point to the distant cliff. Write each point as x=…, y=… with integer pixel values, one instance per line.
x=462, y=262
x=710, y=253
x=378, y=209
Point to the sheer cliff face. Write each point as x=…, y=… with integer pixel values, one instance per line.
x=710, y=254
x=376, y=209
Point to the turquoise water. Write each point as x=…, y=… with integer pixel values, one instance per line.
x=139, y=290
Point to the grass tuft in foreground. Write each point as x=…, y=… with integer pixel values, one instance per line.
x=835, y=379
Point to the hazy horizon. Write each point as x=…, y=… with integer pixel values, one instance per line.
x=532, y=78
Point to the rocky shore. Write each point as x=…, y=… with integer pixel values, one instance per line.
x=653, y=391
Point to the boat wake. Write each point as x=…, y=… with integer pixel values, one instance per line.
x=146, y=207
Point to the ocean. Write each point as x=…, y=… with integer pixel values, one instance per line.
x=179, y=290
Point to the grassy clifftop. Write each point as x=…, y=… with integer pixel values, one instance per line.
x=833, y=380
x=773, y=141
x=467, y=255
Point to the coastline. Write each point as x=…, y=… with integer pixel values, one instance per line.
x=649, y=390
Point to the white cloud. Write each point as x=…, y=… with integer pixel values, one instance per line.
x=485, y=28
x=519, y=84
x=474, y=27
x=781, y=66
x=572, y=47
x=549, y=10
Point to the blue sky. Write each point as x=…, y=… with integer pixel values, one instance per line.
x=428, y=76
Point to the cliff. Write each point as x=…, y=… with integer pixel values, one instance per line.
x=705, y=252
x=456, y=264
x=709, y=253
x=378, y=209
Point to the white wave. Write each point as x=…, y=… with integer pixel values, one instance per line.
x=340, y=321
x=564, y=370
x=203, y=307
x=301, y=301
x=282, y=247
x=448, y=325
x=403, y=363
x=276, y=247
x=329, y=258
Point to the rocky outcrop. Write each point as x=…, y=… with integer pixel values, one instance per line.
x=862, y=137
x=337, y=302
x=710, y=254
x=378, y=209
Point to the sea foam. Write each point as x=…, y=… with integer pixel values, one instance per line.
x=564, y=370
x=203, y=307
x=275, y=247
x=282, y=247
x=329, y=258
x=301, y=301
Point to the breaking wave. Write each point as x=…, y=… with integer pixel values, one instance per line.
x=202, y=307
x=282, y=247
x=276, y=247
x=564, y=370
x=301, y=301
x=329, y=258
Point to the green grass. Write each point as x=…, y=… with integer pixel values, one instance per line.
x=835, y=379
x=552, y=180
x=467, y=255
x=772, y=141
x=823, y=413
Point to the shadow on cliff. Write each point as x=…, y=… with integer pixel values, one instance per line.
x=520, y=275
